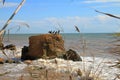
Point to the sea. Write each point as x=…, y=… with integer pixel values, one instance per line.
x=91, y=43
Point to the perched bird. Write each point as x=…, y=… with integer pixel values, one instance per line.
x=58, y=31
x=53, y=32
x=50, y=32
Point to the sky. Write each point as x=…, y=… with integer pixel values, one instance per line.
x=46, y=15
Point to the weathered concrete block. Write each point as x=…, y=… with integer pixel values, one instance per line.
x=45, y=45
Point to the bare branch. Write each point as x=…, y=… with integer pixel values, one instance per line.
x=2, y=1
x=15, y=12
x=108, y=14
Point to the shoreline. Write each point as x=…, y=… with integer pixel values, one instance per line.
x=104, y=63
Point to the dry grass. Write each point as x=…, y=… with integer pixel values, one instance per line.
x=39, y=73
x=117, y=64
x=91, y=73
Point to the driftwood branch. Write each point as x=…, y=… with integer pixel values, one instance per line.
x=111, y=15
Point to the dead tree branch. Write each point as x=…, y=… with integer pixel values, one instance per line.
x=111, y=15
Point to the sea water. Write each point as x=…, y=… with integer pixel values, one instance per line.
x=91, y=42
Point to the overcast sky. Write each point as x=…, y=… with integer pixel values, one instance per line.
x=45, y=15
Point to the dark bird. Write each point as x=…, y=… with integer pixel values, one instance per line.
x=108, y=14
x=77, y=29
x=55, y=32
x=50, y=32
x=58, y=32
